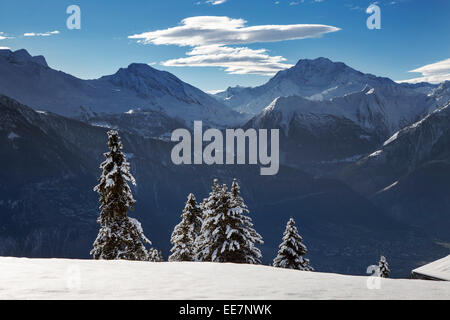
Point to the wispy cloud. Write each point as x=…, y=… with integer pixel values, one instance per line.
x=212, y=37
x=434, y=73
x=234, y=60
x=44, y=34
x=216, y=2
x=212, y=30
x=3, y=36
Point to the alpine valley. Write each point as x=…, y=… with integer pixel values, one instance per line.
x=365, y=161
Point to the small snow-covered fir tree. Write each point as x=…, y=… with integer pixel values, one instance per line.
x=154, y=255
x=383, y=268
x=291, y=252
x=227, y=234
x=186, y=232
x=120, y=237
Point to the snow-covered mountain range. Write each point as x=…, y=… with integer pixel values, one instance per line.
x=383, y=111
x=30, y=80
x=49, y=165
x=342, y=176
x=331, y=114
x=318, y=79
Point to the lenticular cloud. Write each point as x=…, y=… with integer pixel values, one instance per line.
x=211, y=30
x=235, y=60
x=211, y=38
x=433, y=73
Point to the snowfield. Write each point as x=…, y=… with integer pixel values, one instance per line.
x=89, y=279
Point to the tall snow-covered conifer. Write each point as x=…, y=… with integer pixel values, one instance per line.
x=186, y=232
x=226, y=234
x=120, y=237
x=208, y=207
x=383, y=268
x=249, y=236
x=291, y=252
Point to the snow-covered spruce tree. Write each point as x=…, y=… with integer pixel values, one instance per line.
x=120, y=237
x=186, y=232
x=207, y=206
x=154, y=255
x=226, y=234
x=251, y=252
x=291, y=252
x=383, y=268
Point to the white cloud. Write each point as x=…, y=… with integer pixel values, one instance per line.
x=216, y=2
x=212, y=37
x=434, y=73
x=5, y=48
x=212, y=30
x=44, y=34
x=235, y=60
x=3, y=36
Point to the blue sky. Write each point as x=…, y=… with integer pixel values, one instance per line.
x=414, y=34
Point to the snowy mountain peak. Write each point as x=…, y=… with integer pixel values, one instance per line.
x=22, y=54
x=318, y=79
x=146, y=81
x=320, y=63
x=29, y=80
x=40, y=60
x=22, y=57
x=307, y=70
x=319, y=60
x=142, y=69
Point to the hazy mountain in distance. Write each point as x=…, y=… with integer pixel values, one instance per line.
x=409, y=175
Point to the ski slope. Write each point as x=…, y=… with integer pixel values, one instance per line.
x=88, y=279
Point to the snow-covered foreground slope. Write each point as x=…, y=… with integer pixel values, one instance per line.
x=87, y=279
